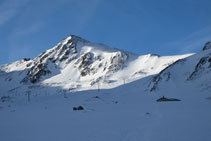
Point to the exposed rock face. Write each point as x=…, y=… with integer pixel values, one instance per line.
x=207, y=46
x=117, y=61
x=65, y=51
x=36, y=72
x=85, y=62
x=203, y=66
x=164, y=75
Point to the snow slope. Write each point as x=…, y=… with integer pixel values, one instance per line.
x=38, y=96
x=188, y=73
x=125, y=113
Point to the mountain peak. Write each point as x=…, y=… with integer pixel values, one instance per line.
x=75, y=52
x=75, y=63
x=76, y=38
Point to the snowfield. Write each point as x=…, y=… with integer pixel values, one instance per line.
x=126, y=113
x=119, y=97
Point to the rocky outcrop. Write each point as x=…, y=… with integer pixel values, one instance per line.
x=207, y=46
x=84, y=63
x=36, y=72
x=203, y=66
x=64, y=51
x=164, y=75
x=195, y=68
x=117, y=61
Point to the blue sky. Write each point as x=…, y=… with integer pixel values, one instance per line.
x=165, y=27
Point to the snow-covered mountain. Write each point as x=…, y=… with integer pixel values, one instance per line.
x=77, y=64
x=38, y=97
x=191, y=72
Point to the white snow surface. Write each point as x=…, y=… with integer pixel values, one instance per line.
x=119, y=107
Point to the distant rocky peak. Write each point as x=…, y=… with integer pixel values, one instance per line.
x=62, y=50
x=207, y=46
x=88, y=58
x=73, y=39
x=65, y=51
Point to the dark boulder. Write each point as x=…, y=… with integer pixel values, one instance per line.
x=75, y=108
x=78, y=108
x=5, y=98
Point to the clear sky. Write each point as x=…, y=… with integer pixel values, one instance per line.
x=165, y=27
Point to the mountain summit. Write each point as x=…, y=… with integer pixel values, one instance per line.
x=78, y=64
